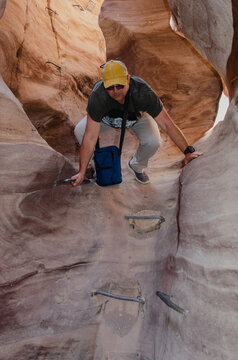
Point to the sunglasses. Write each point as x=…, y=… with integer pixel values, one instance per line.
x=118, y=87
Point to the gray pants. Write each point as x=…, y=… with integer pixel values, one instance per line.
x=147, y=131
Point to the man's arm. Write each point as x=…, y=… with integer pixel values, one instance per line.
x=86, y=149
x=165, y=122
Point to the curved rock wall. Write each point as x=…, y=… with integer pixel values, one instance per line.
x=50, y=75
x=215, y=36
x=205, y=266
x=25, y=157
x=202, y=24
x=49, y=60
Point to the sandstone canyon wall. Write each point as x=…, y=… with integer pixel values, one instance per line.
x=59, y=244
x=205, y=267
x=50, y=57
x=33, y=212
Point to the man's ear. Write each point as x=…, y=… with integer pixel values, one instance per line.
x=128, y=78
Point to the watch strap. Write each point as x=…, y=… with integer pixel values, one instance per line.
x=189, y=149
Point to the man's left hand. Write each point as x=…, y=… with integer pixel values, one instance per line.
x=189, y=157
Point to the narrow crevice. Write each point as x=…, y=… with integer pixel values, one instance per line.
x=52, y=13
x=10, y=284
x=16, y=69
x=178, y=212
x=67, y=267
x=13, y=283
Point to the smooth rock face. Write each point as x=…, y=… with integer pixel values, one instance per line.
x=209, y=26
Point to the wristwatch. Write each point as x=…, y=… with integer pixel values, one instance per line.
x=189, y=149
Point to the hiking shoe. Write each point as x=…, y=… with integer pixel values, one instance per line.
x=142, y=177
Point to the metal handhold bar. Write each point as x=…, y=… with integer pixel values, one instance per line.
x=119, y=297
x=139, y=217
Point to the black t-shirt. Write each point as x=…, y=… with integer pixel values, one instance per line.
x=141, y=99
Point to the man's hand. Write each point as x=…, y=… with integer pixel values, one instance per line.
x=79, y=177
x=189, y=157
x=86, y=149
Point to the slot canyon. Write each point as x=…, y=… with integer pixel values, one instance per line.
x=60, y=245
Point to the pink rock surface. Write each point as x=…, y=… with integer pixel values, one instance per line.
x=205, y=265
x=59, y=244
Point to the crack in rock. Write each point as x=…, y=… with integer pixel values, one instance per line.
x=51, y=13
x=10, y=284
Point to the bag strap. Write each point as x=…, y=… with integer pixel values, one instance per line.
x=123, y=125
x=97, y=146
x=124, y=118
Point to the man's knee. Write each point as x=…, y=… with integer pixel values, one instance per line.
x=79, y=130
x=152, y=143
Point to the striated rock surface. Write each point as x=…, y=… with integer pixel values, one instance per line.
x=28, y=168
x=215, y=36
x=210, y=32
x=205, y=268
x=40, y=243
x=50, y=55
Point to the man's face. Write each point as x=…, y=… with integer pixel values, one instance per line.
x=118, y=92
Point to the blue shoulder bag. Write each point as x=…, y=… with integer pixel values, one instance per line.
x=108, y=159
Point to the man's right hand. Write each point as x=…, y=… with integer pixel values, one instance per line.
x=86, y=149
x=79, y=177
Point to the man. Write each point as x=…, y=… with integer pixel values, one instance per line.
x=145, y=113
